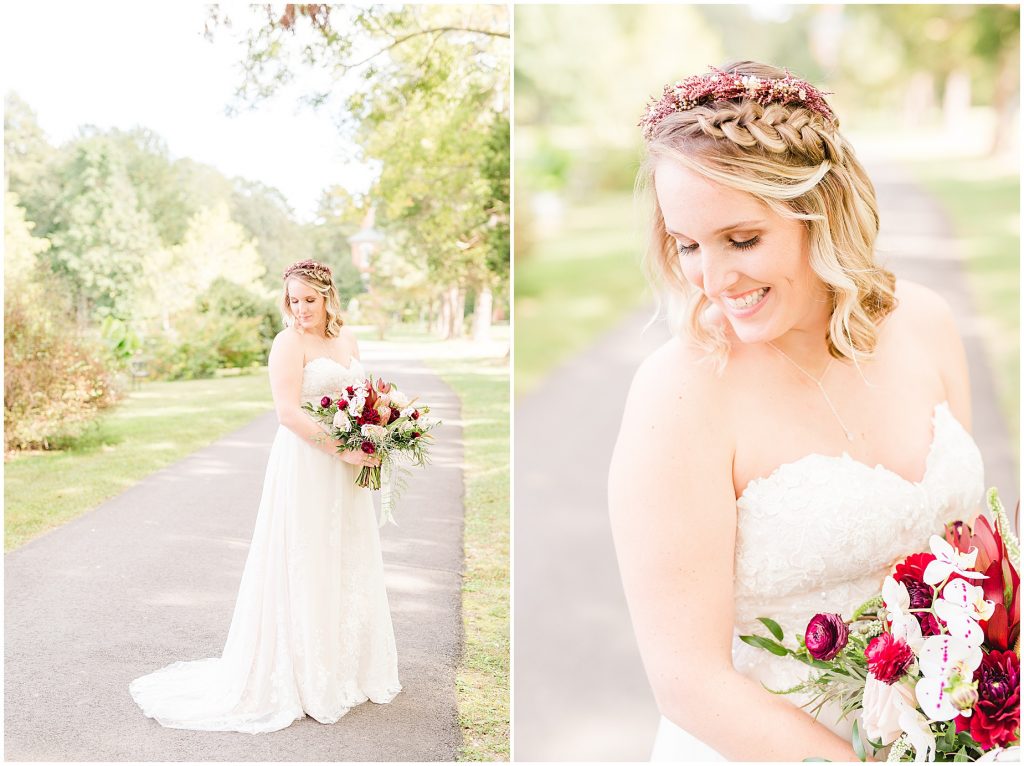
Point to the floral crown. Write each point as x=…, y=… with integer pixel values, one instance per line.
x=717, y=85
x=309, y=268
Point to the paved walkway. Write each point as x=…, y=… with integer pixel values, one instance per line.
x=151, y=577
x=580, y=688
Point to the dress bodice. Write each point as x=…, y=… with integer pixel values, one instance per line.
x=324, y=376
x=821, y=533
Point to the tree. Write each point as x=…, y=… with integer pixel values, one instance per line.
x=21, y=249
x=100, y=236
x=213, y=246
x=30, y=163
x=423, y=89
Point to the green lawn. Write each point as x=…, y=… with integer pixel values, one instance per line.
x=483, y=677
x=153, y=427
x=576, y=284
x=982, y=198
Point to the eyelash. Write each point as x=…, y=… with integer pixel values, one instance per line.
x=682, y=249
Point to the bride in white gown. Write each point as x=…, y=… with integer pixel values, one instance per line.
x=311, y=631
x=807, y=426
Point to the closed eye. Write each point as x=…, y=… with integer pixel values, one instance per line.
x=744, y=245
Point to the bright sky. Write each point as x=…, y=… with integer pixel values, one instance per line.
x=147, y=63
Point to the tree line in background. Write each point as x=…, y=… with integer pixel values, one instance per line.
x=114, y=249
x=905, y=67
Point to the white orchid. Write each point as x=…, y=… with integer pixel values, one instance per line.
x=945, y=663
x=406, y=412
x=970, y=598
x=948, y=560
x=903, y=623
x=918, y=732
x=342, y=421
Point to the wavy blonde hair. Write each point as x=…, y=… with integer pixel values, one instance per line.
x=317, y=276
x=797, y=163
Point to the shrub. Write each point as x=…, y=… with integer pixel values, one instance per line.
x=55, y=382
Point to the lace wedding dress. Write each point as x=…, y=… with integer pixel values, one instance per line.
x=311, y=631
x=819, y=535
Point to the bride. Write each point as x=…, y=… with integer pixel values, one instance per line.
x=808, y=424
x=311, y=631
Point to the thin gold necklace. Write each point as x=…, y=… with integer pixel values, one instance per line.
x=817, y=382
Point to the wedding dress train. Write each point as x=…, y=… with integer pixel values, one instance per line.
x=819, y=535
x=311, y=631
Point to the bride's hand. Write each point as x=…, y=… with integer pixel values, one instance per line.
x=359, y=458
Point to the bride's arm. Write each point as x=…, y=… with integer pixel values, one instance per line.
x=286, y=386
x=673, y=513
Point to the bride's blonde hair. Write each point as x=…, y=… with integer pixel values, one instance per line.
x=794, y=160
x=317, y=276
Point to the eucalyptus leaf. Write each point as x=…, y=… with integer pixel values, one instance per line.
x=767, y=644
x=858, y=746
x=772, y=626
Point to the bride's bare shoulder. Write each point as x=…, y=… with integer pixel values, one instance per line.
x=924, y=310
x=679, y=378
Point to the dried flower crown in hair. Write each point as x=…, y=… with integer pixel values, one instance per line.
x=723, y=86
x=312, y=268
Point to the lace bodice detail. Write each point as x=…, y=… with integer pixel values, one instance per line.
x=820, y=533
x=324, y=376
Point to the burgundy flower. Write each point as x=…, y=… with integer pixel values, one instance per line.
x=996, y=716
x=350, y=391
x=415, y=414
x=325, y=402
x=369, y=416
x=368, y=448
x=394, y=416
x=415, y=434
x=826, y=636
x=911, y=573
x=342, y=404
x=888, y=658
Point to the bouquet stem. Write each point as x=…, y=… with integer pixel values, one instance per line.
x=369, y=477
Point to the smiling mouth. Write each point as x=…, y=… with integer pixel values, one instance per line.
x=747, y=300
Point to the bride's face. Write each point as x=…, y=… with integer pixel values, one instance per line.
x=750, y=262
x=307, y=306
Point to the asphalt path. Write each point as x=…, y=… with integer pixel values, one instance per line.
x=580, y=689
x=150, y=577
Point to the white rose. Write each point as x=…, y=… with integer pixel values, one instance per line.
x=373, y=432
x=882, y=707
x=342, y=422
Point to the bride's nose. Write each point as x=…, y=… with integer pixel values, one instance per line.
x=717, y=275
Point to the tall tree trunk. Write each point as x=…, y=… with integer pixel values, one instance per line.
x=456, y=299
x=1002, y=100
x=956, y=101
x=482, y=314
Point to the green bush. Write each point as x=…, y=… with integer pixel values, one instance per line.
x=203, y=343
x=55, y=382
x=229, y=327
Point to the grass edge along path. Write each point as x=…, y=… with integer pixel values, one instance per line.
x=482, y=680
x=44, y=490
x=982, y=198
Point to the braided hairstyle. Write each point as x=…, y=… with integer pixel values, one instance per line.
x=318, y=277
x=794, y=160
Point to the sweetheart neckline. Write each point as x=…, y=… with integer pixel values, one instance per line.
x=845, y=456
x=348, y=366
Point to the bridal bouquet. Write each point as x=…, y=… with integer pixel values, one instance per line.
x=378, y=419
x=931, y=665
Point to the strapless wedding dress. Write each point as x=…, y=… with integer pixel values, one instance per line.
x=819, y=535
x=311, y=631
